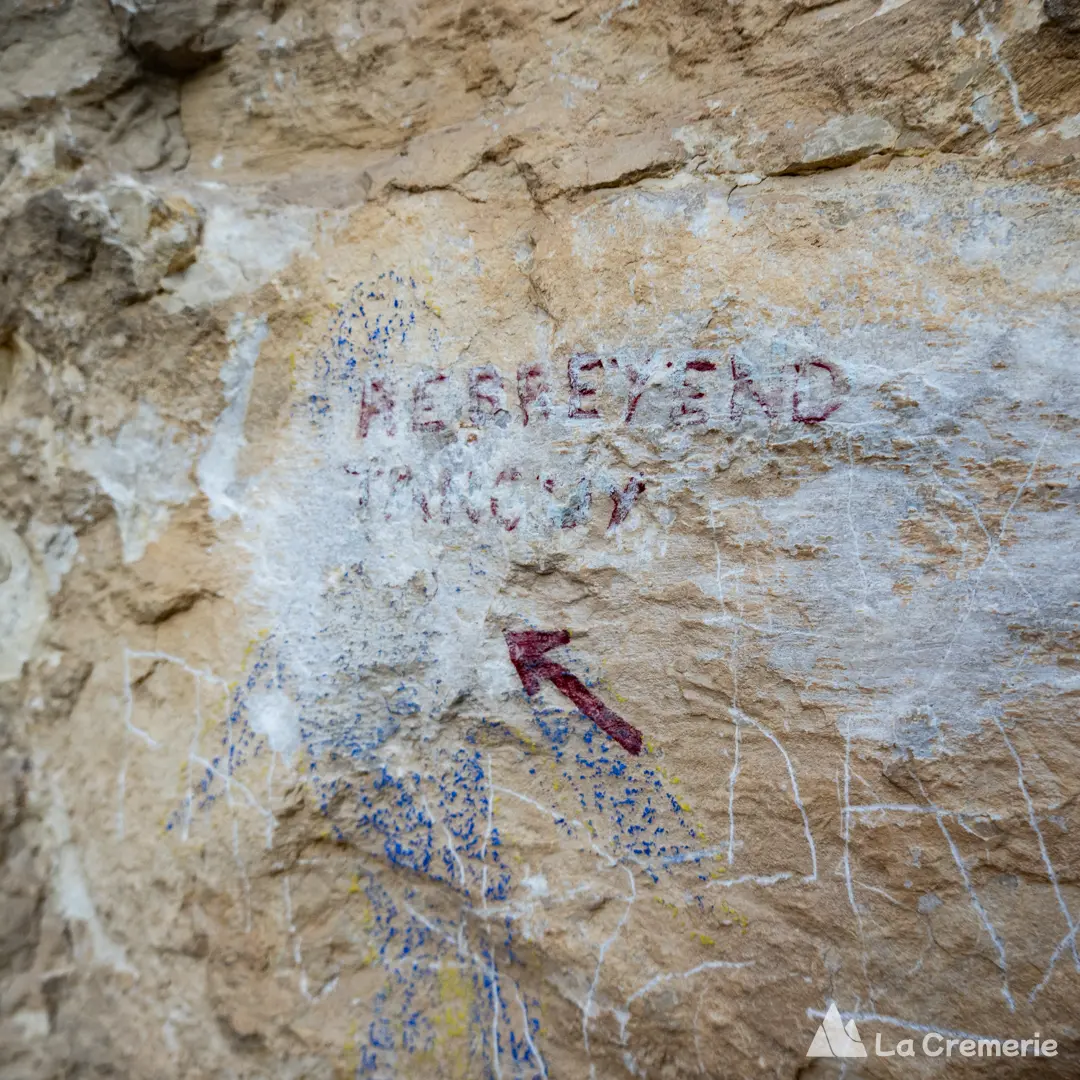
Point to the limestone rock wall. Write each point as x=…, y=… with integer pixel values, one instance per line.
x=537, y=539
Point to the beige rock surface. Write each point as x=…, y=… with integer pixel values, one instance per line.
x=339, y=341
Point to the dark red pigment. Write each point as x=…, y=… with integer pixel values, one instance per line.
x=527, y=649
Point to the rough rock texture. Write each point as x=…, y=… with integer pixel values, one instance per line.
x=346, y=345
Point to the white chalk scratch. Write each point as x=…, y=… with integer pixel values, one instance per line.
x=587, y=1010
x=666, y=977
x=1033, y=820
x=995, y=39
x=740, y=717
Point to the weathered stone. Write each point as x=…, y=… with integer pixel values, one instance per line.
x=182, y=36
x=843, y=141
x=537, y=539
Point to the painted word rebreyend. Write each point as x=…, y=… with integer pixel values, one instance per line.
x=705, y=389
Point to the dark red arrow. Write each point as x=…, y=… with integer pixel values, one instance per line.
x=527, y=649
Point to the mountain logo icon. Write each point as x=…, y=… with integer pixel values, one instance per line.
x=835, y=1039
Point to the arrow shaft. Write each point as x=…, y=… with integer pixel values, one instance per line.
x=626, y=735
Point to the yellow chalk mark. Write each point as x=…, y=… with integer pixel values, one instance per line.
x=451, y=1021
x=735, y=916
x=349, y=1050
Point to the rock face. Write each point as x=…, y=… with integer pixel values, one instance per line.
x=538, y=539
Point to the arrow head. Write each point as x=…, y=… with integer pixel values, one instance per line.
x=527, y=648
